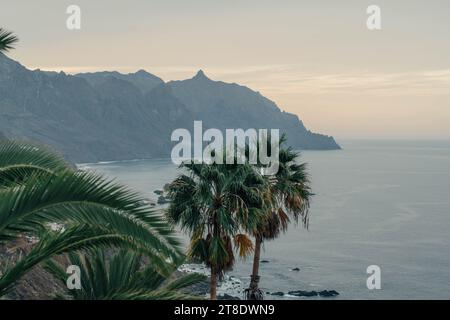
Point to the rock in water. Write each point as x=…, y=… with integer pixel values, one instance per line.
x=227, y=297
x=328, y=293
x=301, y=293
x=323, y=293
x=163, y=200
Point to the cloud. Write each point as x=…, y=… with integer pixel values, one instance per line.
x=434, y=82
x=293, y=79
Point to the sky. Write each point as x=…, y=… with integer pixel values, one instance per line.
x=316, y=59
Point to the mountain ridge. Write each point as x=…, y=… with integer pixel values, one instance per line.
x=103, y=116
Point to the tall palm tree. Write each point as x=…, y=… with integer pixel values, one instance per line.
x=215, y=203
x=7, y=40
x=123, y=276
x=289, y=194
x=38, y=188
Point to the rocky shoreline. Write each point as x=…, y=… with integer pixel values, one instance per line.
x=235, y=287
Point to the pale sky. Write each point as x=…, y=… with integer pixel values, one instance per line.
x=316, y=59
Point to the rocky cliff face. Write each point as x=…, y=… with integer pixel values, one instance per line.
x=224, y=105
x=111, y=116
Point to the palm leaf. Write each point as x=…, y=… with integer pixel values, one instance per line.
x=243, y=244
x=85, y=198
x=37, y=187
x=7, y=40
x=21, y=160
x=125, y=275
x=77, y=237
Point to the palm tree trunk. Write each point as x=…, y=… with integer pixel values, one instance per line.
x=255, y=272
x=213, y=285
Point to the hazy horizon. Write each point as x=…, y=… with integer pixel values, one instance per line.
x=318, y=61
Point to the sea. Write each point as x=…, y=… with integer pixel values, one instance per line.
x=378, y=205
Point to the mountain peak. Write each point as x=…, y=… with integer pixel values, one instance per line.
x=144, y=75
x=142, y=72
x=200, y=75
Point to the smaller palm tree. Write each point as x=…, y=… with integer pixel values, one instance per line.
x=125, y=275
x=288, y=196
x=7, y=40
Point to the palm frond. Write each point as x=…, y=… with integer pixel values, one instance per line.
x=7, y=40
x=77, y=237
x=243, y=244
x=38, y=187
x=85, y=198
x=21, y=160
x=124, y=275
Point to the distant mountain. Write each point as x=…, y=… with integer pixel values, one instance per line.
x=112, y=116
x=223, y=105
x=142, y=79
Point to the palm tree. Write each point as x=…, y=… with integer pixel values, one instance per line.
x=289, y=194
x=215, y=203
x=123, y=276
x=7, y=40
x=38, y=188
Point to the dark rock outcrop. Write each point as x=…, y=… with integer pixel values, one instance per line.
x=301, y=293
x=328, y=293
x=227, y=297
x=324, y=293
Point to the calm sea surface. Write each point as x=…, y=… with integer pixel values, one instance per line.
x=384, y=203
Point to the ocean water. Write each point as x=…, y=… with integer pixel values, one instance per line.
x=384, y=203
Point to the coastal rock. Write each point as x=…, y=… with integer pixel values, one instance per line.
x=278, y=293
x=323, y=293
x=296, y=269
x=226, y=296
x=158, y=192
x=328, y=293
x=265, y=261
x=38, y=284
x=163, y=200
x=301, y=293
